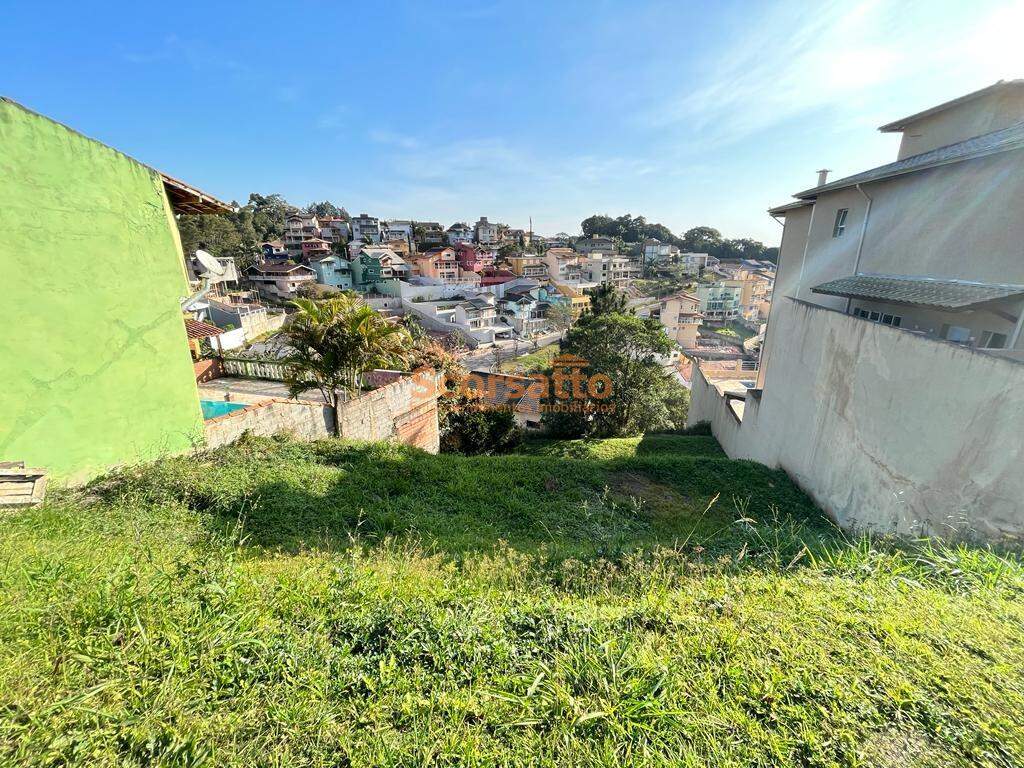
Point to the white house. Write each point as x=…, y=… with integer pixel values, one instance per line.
x=891, y=385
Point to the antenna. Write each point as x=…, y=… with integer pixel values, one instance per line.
x=211, y=267
x=212, y=270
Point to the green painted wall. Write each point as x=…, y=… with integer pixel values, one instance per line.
x=94, y=364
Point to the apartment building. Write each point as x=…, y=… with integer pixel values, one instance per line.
x=335, y=230
x=891, y=384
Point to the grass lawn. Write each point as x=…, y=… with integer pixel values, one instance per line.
x=598, y=603
x=532, y=362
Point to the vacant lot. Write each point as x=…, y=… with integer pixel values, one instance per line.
x=632, y=602
x=533, y=361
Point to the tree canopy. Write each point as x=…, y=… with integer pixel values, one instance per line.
x=631, y=392
x=635, y=229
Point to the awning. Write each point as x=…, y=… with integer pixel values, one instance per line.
x=920, y=291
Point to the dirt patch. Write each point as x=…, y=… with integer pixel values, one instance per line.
x=657, y=499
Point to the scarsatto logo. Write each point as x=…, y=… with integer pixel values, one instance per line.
x=568, y=387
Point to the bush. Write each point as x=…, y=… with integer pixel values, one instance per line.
x=473, y=429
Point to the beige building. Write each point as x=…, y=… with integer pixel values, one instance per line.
x=891, y=385
x=681, y=317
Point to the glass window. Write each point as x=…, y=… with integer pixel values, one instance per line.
x=840, y=225
x=875, y=315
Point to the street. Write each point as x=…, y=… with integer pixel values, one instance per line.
x=482, y=358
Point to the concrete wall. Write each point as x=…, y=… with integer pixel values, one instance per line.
x=95, y=368
x=886, y=430
x=304, y=421
x=405, y=410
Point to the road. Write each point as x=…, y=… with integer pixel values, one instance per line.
x=482, y=358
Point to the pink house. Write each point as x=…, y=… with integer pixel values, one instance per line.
x=473, y=258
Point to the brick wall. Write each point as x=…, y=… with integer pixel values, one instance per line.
x=404, y=410
x=304, y=421
x=207, y=369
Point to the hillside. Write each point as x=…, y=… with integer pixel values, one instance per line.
x=625, y=602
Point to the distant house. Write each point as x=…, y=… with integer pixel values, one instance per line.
x=616, y=271
x=334, y=271
x=459, y=233
x=279, y=281
x=95, y=369
x=595, y=245
x=486, y=231
x=374, y=265
x=335, y=230
x=720, y=302
x=428, y=234
x=654, y=252
x=495, y=276
x=474, y=258
x=398, y=229
x=478, y=312
x=366, y=229
x=299, y=227
x=563, y=265
x=520, y=394
x=437, y=264
x=273, y=249
x=528, y=265
x=315, y=248
x=681, y=318
x=524, y=305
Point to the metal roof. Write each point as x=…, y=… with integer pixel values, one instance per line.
x=980, y=146
x=920, y=291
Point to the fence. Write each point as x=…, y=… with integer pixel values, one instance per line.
x=253, y=368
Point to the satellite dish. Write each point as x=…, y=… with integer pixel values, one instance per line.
x=211, y=267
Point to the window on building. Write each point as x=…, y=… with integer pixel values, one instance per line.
x=992, y=340
x=955, y=333
x=840, y=226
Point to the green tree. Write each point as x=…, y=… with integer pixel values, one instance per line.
x=473, y=428
x=327, y=210
x=606, y=300
x=332, y=342
x=702, y=240
x=628, y=392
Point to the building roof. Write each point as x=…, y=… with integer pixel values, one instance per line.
x=903, y=122
x=920, y=291
x=499, y=389
x=993, y=143
x=197, y=329
x=279, y=269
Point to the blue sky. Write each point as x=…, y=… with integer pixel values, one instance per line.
x=688, y=113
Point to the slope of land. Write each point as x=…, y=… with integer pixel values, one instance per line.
x=630, y=602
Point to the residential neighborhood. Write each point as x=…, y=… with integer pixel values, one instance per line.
x=564, y=385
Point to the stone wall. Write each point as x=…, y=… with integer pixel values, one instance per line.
x=304, y=421
x=886, y=430
x=405, y=410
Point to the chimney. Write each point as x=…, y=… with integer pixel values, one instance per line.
x=823, y=176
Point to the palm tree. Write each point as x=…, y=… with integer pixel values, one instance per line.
x=332, y=342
